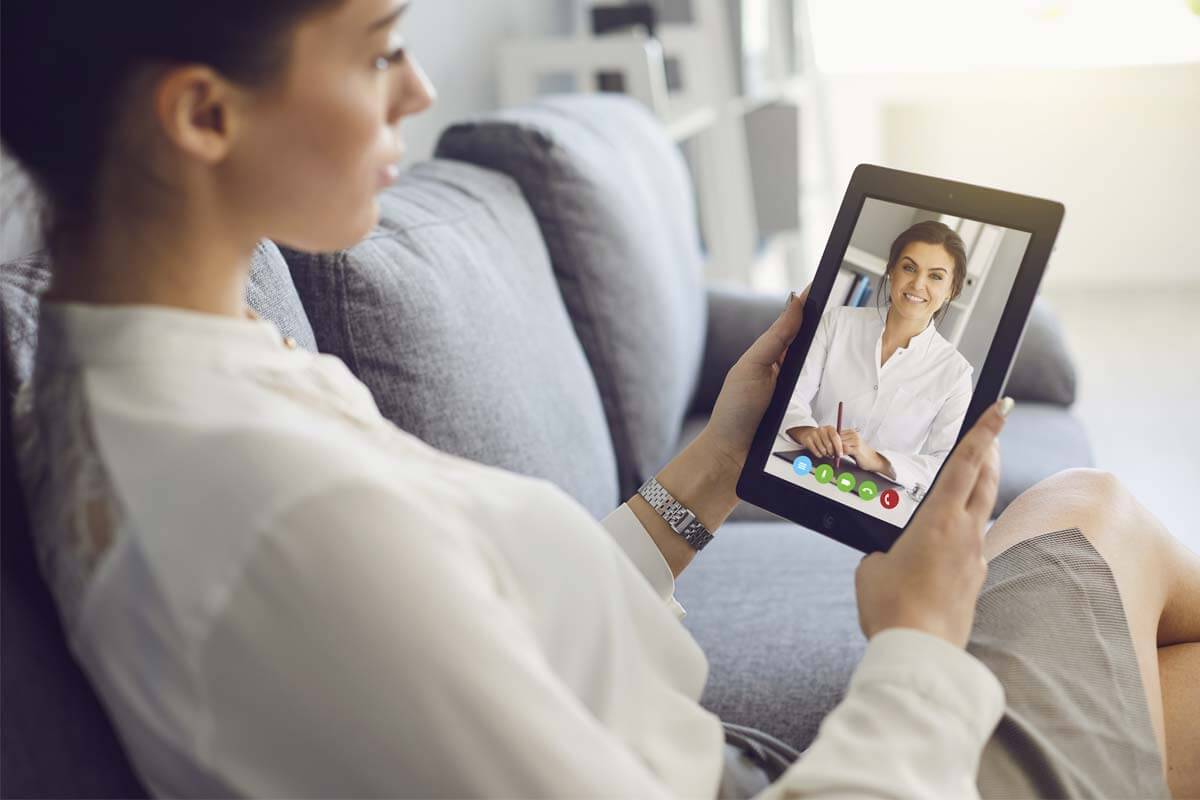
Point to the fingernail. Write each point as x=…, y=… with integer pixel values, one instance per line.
x=791, y=297
x=1006, y=405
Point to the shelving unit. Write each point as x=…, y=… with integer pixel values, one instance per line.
x=865, y=261
x=751, y=207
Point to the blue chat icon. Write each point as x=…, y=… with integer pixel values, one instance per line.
x=802, y=465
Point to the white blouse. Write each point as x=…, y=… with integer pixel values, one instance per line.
x=276, y=592
x=909, y=410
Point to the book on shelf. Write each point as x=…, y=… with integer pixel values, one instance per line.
x=859, y=292
x=850, y=288
x=842, y=285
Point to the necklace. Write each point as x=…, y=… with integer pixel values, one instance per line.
x=288, y=341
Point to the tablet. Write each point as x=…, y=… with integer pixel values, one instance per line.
x=911, y=325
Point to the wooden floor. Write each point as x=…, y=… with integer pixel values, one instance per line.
x=1138, y=358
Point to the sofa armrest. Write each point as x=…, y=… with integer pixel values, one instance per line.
x=1043, y=371
x=736, y=317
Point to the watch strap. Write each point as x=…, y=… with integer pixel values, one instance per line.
x=678, y=517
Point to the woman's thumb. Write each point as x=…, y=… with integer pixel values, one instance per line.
x=867, y=565
x=769, y=347
x=796, y=300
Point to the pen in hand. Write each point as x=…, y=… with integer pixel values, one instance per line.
x=837, y=462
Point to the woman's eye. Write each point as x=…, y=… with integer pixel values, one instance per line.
x=908, y=268
x=390, y=59
x=937, y=276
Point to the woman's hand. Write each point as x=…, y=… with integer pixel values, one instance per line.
x=823, y=441
x=748, y=387
x=865, y=456
x=931, y=577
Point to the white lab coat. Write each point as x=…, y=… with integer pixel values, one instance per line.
x=909, y=410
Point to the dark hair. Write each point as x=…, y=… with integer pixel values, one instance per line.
x=67, y=67
x=933, y=232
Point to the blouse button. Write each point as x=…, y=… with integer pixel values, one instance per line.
x=289, y=343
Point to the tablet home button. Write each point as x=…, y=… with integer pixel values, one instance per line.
x=828, y=520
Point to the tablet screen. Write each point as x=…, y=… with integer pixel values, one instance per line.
x=897, y=353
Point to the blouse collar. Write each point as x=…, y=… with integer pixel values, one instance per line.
x=918, y=344
x=923, y=340
x=87, y=334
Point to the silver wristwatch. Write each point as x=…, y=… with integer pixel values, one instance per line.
x=678, y=516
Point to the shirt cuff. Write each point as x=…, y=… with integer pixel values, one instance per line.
x=902, y=465
x=945, y=675
x=624, y=526
x=796, y=420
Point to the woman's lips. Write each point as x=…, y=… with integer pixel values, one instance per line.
x=914, y=299
x=388, y=174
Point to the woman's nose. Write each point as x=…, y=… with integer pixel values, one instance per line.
x=414, y=91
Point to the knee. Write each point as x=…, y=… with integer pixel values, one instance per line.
x=1082, y=483
x=1080, y=493
x=1090, y=500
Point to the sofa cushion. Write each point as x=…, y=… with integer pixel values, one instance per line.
x=449, y=313
x=737, y=316
x=772, y=605
x=56, y=740
x=614, y=202
x=1038, y=440
x=1042, y=371
x=272, y=295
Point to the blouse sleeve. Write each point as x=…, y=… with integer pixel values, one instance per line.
x=799, y=411
x=918, y=710
x=632, y=537
x=352, y=662
x=923, y=466
x=349, y=661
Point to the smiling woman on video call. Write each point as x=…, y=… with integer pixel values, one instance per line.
x=904, y=388
x=277, y=592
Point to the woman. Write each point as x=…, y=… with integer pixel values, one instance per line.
x=276, y=592
x=903, y=387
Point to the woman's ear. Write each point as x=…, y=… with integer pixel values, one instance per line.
x=196, y=109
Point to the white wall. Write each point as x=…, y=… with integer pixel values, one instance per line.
x=1119, y=147
x=456, y=42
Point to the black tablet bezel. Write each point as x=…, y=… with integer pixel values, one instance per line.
x=1037, y=216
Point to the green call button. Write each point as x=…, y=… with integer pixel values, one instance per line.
x=867, y=490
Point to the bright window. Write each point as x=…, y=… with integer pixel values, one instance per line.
x=960, y=35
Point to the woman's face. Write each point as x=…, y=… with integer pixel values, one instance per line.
x=921, y=280
x=315, y=152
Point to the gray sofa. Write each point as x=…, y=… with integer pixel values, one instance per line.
x=532, y=298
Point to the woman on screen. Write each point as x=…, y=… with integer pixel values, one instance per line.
x=904, y=388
